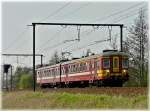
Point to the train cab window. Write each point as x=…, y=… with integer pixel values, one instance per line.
x=125, y=63
x=106, y=63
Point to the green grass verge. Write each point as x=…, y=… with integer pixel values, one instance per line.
x=39, y=100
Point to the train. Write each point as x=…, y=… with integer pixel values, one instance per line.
x=109, y=68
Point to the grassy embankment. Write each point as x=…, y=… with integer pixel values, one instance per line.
x=40, y=100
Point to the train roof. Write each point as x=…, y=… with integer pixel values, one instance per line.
x=107, y=53
x=114, y=53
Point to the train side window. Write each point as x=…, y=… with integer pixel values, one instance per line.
x=84, y=67
x=51, y=73
x=57, y=73
x=81, y=67
x=74, y=68
x=106, y=63
x=62, y=71
x=97, y=64
x=46, y=73
x=66, y=69
x=38, y=75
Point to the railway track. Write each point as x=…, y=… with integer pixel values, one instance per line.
x=103, y=90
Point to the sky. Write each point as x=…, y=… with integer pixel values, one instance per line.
x=17, y=36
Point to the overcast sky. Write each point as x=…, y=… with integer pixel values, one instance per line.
x=17, y=36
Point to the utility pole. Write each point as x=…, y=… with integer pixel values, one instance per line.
x=70, y=24
x=121, y=37
x=34, y=73
x=11, y=79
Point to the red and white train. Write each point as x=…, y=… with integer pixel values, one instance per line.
x=107, y=69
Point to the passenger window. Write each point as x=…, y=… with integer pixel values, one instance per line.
x=66, y=69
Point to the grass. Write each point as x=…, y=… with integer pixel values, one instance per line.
x=40, y=100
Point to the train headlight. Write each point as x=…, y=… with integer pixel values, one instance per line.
x=107, y=71
x=124, y=71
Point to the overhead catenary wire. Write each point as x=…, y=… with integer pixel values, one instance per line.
x=118, y=13
x=128, y=16
x=114, y=14
x=92, y=43
x=52, y=38
x=20, y=35
x=55, y=12
x=65, y=16
x=76, y=10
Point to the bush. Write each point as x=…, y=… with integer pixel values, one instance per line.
x=26, y=81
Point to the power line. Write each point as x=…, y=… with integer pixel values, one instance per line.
x=102, y=18
x=52, y=38
x=127, y=16
x=65, y=16
x=116, y=13
x=79, y=8
x=55, y=12
x=92, y=43
x=17, y=38
x=86, y=34
x=56, y=45
x=62, y=43
x=107, y=17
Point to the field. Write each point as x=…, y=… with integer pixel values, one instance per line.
x=77, y=98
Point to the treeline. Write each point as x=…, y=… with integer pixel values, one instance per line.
x=23, y=78
x=136, y=45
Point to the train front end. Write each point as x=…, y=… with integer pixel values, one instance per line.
x=113, y=70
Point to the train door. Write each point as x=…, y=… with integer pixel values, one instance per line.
x=91, y=69
x=115, y=64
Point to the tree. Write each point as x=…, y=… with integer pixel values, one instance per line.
x=26, y=81
x=54, y=59
x=136, y=45
x=18, y=74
